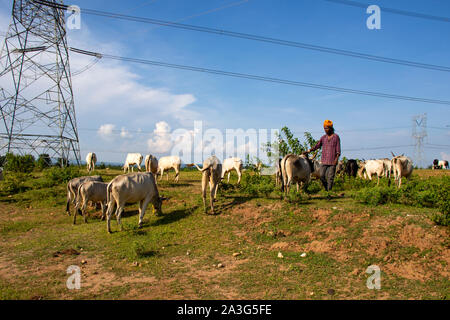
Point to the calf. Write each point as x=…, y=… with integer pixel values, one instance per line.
x=72, y=189
x=212, y=172
x=232, y=164
x=94, y=191
x=131, y=188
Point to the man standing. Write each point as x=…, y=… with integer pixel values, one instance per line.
x=331, y=150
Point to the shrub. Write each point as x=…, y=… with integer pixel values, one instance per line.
x=43, y=161
x=14, y=182
x=57, y=175
x=18, y=163
x=377, y=195
x=257, y=185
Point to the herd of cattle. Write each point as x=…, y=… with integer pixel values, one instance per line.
x=141, y=187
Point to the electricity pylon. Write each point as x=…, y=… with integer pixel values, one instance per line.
x=36, y=97
x=419, y=133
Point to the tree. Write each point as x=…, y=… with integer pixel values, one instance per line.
x=286, y=143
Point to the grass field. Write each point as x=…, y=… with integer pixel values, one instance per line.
x=176, y=255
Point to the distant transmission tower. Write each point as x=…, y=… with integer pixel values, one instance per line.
x=36, y=98
x=419, y=133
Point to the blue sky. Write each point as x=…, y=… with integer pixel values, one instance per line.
x=127, y=98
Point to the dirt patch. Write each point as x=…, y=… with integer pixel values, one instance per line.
x=321, y=216
x=413, y=235
x=409, y=270
x=286, y=246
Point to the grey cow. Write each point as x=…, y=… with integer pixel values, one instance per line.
x=72, y=188
x=94, y=191
x=131, y=188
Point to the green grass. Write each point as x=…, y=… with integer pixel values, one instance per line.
x=176, y=255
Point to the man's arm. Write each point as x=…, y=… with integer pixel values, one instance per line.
x=317, y=146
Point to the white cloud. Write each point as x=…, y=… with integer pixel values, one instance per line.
x=106, y=131
x=125, y=134
x=161, y=141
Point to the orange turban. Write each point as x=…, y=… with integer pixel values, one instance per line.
x=327, y=123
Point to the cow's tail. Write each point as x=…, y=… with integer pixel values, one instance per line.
x=108, y=192
x=68, y=199
x=77, y=199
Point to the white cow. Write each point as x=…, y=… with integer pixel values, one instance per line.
x=371, y=167
x=402, y=167
x=131, y=188
x=151, y=164
x=167, y=163
x=94, y=191
x=443, y=164
x=296, y=169
x=131, y=160
x=212, y=173
x=91, y=160
x=231, y=164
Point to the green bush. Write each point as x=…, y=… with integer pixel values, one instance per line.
x=14, y=182
x=44, y=161
x=377, y=195
x=257, y=185
x=18, y=163
x=57, y=175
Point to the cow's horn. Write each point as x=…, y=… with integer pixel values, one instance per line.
x=393, y=154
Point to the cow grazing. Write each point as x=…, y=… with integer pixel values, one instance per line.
x=443, y=164
x=435, y=164
x=167, y=163
x=212, y=172
x=402, y=167
x=131, y=188
x=297, y=169
x=72, y=188
x=232, y=164
x=151, y=164
x=372, y=167
x=132, y=160
x=91, y=160
x=94, y=191
x=351, y=168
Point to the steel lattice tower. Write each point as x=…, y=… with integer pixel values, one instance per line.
x=36, y=97
x=419, y=133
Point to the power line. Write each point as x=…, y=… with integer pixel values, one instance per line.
x=392, y=10
x=274, y=80
x=379, y=148
x=254, y=37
